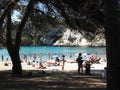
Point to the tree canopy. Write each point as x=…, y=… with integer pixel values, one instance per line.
x=79, y=15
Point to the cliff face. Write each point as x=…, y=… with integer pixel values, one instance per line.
x=61, y=36
x=66, y=37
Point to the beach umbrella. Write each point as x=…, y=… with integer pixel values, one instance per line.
x=54, y=56
x=86, y=56
x=76, y=54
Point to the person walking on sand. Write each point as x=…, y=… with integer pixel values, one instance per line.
x=79, y=61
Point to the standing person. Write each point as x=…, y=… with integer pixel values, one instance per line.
x=49, y=55
x=25, y=58
x=63, y=61
x=2, y=57
x=34, y=56
x=80, y=61
x=40, y=57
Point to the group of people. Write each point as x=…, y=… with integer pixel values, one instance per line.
x=86, y=63
x=82, y=64
x=57, y=61
x=39, y=64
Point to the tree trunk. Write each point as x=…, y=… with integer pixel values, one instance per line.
x=17, y=68
x=112, y=32
x=13, y=52
x=15, y=55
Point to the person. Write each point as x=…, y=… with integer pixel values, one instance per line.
x=87, y=67
x=94, y=59
x=49, y=55
x=6, y=62
x=40, y=57
x=2, y=57
x=33, y=63
x=63, y=61
x=24, y=58
x=41, y=66
x=34, y=56
x=57, y=59
x=79, y=61
x=71, y=60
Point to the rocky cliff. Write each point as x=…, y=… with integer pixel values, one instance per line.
x=61, y=36
x=66, y=37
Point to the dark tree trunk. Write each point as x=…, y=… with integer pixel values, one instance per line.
x=13, y=49
x=112, y=32
x=17, y=68
x=13, y=52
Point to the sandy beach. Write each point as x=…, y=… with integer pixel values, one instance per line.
x=95, y=68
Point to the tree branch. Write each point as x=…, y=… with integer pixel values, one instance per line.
x=8, y=8
x=22, y=24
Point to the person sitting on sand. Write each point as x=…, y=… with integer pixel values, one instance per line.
x=94, y=59
x=87, y=67
x=71, y=60
x=57, y=61
x=41, y=66
x=53, y=63
x=7, y=62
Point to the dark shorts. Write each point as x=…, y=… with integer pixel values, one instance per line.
x=80, y=65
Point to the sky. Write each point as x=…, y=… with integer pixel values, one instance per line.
x=15, y=16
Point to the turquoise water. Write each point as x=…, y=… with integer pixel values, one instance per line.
x=45, y=50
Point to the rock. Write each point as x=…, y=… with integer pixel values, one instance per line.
x=61, y=36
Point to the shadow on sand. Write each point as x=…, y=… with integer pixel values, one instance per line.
x=49, y=80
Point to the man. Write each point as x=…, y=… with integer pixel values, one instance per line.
x=79, y=61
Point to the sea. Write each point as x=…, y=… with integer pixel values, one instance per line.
x=49, y=52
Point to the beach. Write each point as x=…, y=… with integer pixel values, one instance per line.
x=96, y=68
x=46, y=54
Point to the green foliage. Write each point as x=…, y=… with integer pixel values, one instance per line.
x=61, y=41
x=25, y=40
x=94, y=40
x=71, y=39
x=48, y=14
